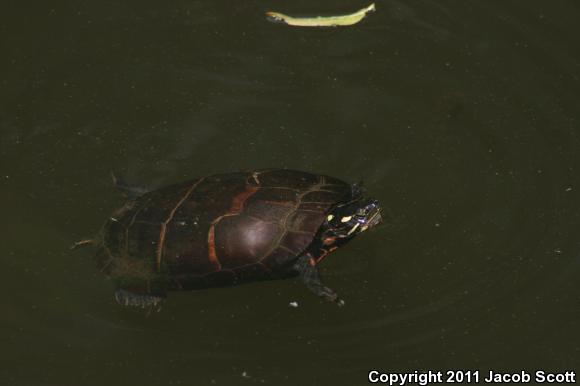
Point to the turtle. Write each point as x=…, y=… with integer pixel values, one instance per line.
x=228, y=229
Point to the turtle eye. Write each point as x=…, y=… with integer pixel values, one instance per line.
x=346, y=219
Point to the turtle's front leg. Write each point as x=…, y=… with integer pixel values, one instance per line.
x=308, y=270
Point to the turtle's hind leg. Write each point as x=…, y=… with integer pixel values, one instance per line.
x=129, y=298
x=81, y=243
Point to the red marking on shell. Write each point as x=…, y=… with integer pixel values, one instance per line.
x=235, y=208
x=240, y=199
x=211, y=247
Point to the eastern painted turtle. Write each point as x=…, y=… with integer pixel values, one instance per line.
x=228, y=229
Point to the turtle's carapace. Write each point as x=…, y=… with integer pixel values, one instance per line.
x=228, y=229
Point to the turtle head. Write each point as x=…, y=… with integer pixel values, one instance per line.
x=350, y=219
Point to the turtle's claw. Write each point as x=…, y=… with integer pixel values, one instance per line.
x=332, y=296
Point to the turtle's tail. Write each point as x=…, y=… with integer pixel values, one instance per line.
x=126, y=189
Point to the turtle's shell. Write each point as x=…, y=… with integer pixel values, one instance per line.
x=219, y=230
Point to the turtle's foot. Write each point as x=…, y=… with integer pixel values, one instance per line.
x=128, y=298
x=329, y=295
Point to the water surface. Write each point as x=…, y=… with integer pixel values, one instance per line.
x=460, y=116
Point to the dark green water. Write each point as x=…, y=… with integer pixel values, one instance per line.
x=462, y=117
